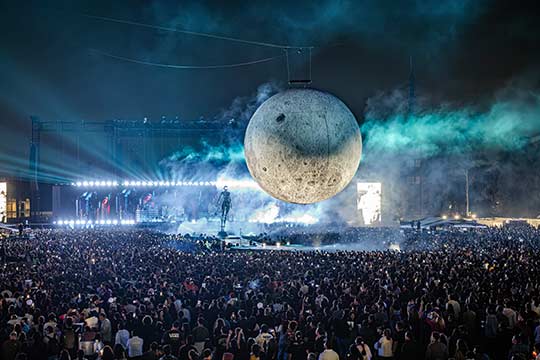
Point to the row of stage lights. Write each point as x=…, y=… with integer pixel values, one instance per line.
x=138, y=183
x=73, y=222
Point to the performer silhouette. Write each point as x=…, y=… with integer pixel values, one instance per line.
x=225, y=199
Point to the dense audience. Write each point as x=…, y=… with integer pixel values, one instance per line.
x=112, y=295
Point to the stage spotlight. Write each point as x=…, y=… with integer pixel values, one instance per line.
x=115, y=222
x=108, y=222
x=138, y=183
x=78, y=183
x=115, y=183
x=85, y=183
x=91, y=183
x=109, y=183
x=102, y=222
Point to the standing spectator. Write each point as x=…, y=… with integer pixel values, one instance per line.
x=105, y=329
x=436, y=350
x=410, y=349
x=70, y=338
x=200, y=335
x=122, y=336
x=167, y=353
x=363, y=349
x=10, y=347
x=135, y=346
x=328, y=353
x=264, y=336
x=172, y=337
x=385, y=345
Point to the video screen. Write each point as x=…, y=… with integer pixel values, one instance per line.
x=369, y=202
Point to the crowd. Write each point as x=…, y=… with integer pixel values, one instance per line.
x=130, y=294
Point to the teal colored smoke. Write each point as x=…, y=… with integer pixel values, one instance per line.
x=214, y=154
x=506, y=125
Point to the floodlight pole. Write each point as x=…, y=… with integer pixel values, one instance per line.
x=467, y=212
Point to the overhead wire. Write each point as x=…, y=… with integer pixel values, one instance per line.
x=194, y=33
x=175, y=66
x=284, y=48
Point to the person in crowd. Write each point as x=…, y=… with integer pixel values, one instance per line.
x=154, y=353
x=10, y=347
x=106, y=353
x=328, y=353
x=363, y=349
x=200, y=335
x=122, y=336
x=186, y=348
x=436, y=350
x=105, y=329
x=135, y=345
x=70, y=338
x=120, y=352
x=519, y=348
x=173, y=337
x=264, y=336
x=167, y=355
x=461, y=350
x=385, y=346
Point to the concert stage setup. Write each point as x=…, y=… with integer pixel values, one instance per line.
x=188, y=207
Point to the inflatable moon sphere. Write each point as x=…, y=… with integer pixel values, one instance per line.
x=303, y=146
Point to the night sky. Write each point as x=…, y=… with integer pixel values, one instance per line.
x=464, y=53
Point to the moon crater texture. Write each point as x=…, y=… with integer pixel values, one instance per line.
x=303, y=146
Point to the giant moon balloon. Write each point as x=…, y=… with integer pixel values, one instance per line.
x=303, y=146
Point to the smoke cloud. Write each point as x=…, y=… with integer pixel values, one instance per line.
x=491, y=142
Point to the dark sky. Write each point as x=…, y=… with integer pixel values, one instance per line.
x=464, y=52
